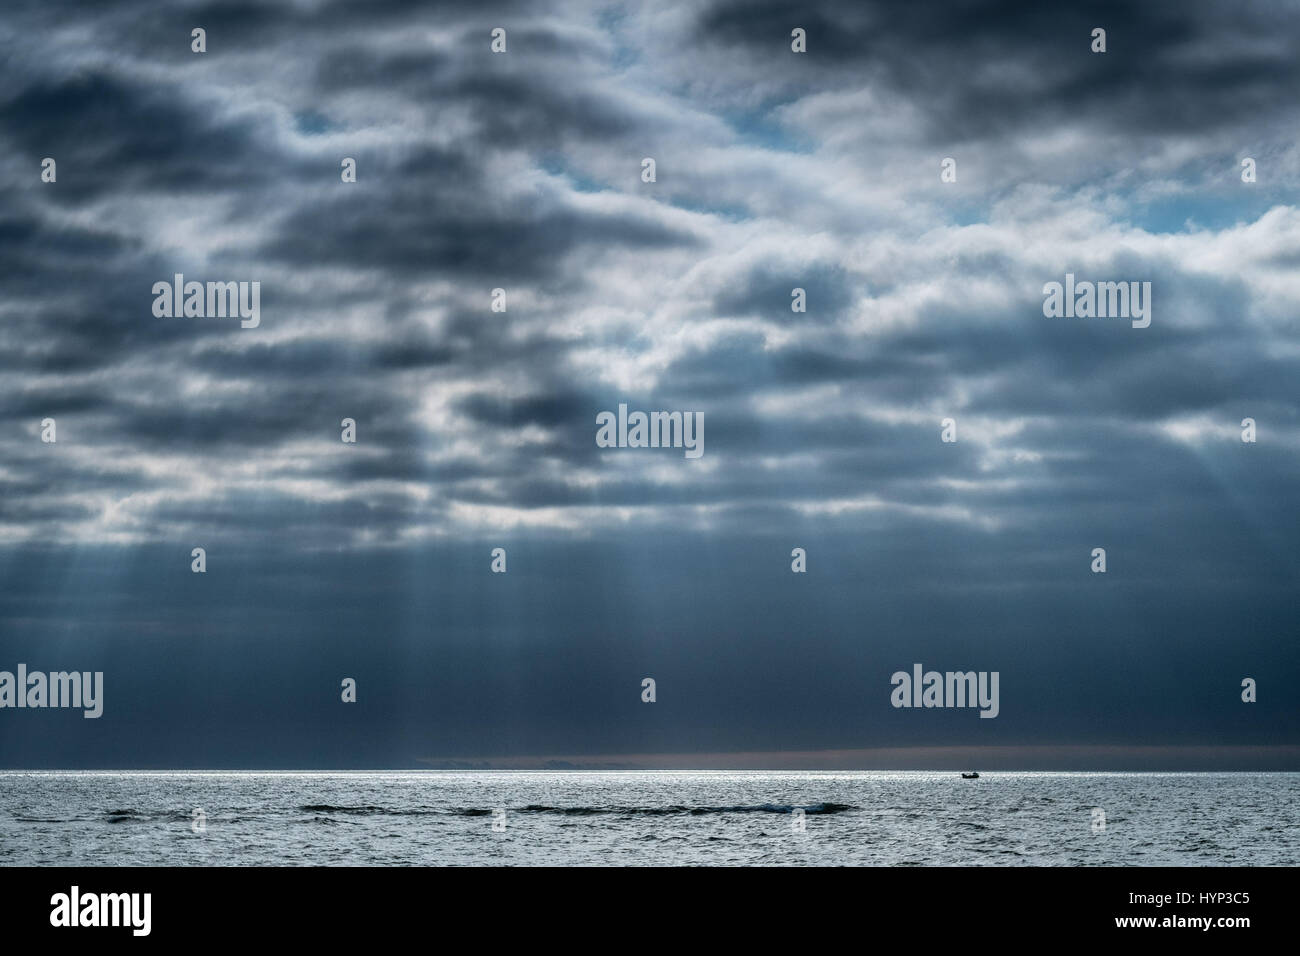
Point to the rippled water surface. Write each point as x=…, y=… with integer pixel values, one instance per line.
x=564, y=818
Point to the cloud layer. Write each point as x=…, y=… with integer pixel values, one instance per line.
x=522, y=171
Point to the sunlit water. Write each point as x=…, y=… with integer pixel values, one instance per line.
x=578, y=818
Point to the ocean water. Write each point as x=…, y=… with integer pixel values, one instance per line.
x=658, y=818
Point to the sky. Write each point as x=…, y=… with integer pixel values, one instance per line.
x=476, y=429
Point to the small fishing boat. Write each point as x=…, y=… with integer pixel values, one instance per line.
x=970, y=776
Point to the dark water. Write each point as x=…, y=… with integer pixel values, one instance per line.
x=563, y=818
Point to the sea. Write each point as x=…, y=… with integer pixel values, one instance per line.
x=664, y=818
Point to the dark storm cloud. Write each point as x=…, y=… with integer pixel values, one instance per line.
x=311, y=359
x=547, y=410
x=767, y=291
x=528, y=240
x=984, y=67
x=113, y=134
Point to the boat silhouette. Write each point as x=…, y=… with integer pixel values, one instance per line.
x=970, y=776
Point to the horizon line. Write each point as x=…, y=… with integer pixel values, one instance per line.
x=1033, y=758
